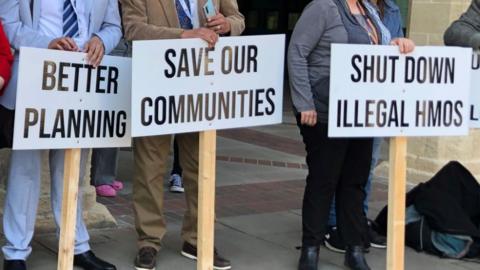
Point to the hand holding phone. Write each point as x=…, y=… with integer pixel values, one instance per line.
x=216, y=21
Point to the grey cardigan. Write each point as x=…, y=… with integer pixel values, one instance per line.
x=465, y=31
x=322, y=23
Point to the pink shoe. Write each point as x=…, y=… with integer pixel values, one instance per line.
x=117, y=185
x=106, y=191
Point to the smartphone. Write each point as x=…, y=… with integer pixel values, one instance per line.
x=209, y=9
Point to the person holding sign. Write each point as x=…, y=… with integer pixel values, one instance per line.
x=89, y=26
x=5, y=60
x=387, y=14
x=172, y=19
x=335, y=166
x=465, y=32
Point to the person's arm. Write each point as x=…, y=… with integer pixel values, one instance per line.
x=6, y=60
x=17, y=32
x=306, y=35
x=465, y=31
x=398, y=32
x=229, y=8
x=111, y=31
x=136, y=24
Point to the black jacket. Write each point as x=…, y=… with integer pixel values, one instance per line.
x=450, y=202
x=465, y=31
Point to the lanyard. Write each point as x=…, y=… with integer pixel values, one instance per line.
x=187, y=8
x=370, y=27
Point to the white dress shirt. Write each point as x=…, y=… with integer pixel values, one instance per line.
x=51, y=20
x=192, y=13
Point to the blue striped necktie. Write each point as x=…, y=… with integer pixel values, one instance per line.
x=183, y=18
x=70, y=20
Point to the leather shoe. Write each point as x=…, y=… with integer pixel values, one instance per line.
x=14, y=265
x=88, y=261
x=309, y=258
x=355, y=258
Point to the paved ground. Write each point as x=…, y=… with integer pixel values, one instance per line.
x=260, y=183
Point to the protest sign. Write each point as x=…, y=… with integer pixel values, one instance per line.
x=475, y=92
x=376, y=91
x=63, y=103
x=183, y=86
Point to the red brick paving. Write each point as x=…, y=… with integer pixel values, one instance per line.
x=282, y=144
x=242, y=199
x=231, y=201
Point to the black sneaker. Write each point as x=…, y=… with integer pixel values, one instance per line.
x=219, y=262
x=334, y=241
x=14, y=265
x=376, y=240
x=146, y=259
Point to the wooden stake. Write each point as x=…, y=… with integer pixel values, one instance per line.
x=206, y=199
x=396, y=204
x=69, y=209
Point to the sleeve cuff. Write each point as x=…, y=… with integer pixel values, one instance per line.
x=475, y=41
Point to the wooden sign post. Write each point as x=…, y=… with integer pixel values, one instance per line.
x=396, y=203
x=206, y=199
x=377, y=92
x=69, y=209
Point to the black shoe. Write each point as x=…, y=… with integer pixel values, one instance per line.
x=333, y=241
x=89, y=261
x=355, y=258
x=14, y=265
x=219, y=262
x=376, y=240
x=146, y=259
x=309, y=258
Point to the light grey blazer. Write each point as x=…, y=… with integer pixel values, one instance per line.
x=21, y=24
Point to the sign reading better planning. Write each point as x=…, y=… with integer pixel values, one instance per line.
x=377, y=92
x=63, y=102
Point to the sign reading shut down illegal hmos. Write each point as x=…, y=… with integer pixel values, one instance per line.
x=63, y=102
x=184, y=86
x=376, y=91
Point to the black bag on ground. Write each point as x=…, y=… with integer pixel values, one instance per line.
x=7, y=118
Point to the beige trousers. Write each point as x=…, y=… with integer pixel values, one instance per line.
x=151, y=158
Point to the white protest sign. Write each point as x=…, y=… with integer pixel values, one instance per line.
x=62, y=102
x=377, y=92
x=183, y=86
x=475, y=92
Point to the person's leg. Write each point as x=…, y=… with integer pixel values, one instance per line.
x=104, y=166
x=176, y=167
x=176, y=181
x=188, y=149
x=350, y=192
x=57, y=158
x=150, y=157
x=324, y=159
x=377, y=145
x=332, y=217
x=21, y=202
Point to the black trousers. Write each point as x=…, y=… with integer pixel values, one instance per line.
x=176, y=168
x=335, y=166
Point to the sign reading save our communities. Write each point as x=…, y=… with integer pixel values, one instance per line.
x=63, y=102
x=377, y=92
x=184, y=86
x=475, y=92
